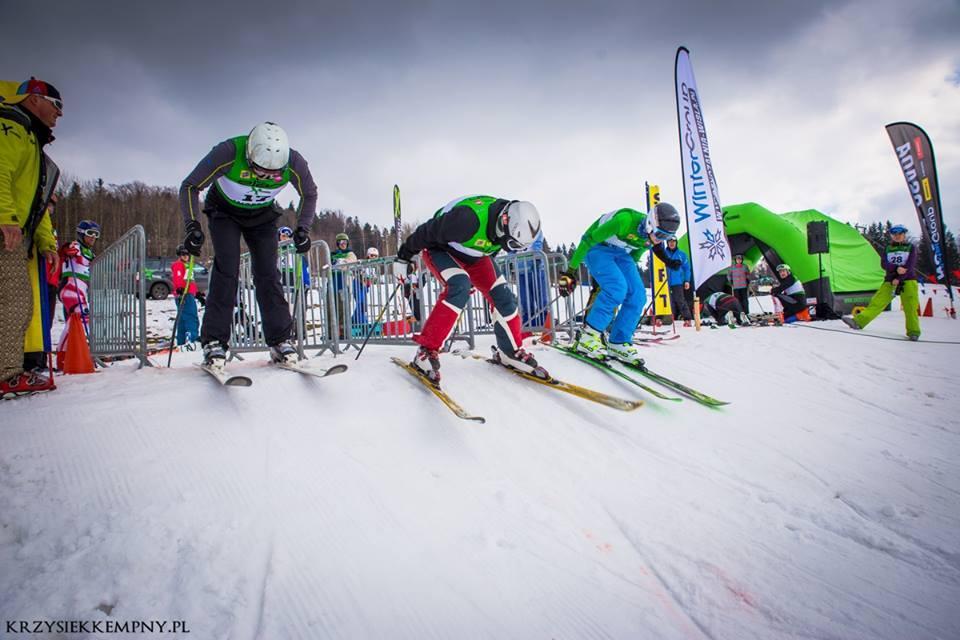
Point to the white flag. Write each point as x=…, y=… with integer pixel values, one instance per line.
x=709, y=249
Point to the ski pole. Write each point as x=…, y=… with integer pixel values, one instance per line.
x=545, y=307
x=176, y=319
x=649, y=305
x=379, y=317
x=299, y=309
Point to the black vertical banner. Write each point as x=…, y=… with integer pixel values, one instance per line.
x=915, y=154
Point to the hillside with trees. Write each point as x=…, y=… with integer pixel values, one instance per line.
x=117, y=207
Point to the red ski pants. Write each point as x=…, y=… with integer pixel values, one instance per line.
x=458, y=278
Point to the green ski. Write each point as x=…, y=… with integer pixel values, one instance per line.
x=693, y=394
x=611, y=370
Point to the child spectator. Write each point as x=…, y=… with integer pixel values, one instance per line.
x=739, y=278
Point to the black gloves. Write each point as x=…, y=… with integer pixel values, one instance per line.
x=567, y=283
x=659, y=251
x=201, y=298
x=193, y=241
x=301, y=239
x=179, y=292
x=674, y=264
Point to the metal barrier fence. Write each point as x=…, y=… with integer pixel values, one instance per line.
x=118, y=315
x=314, y=311
x=531, y=276
x=364, y=289
x=310, y=299
x=368, y=299
x=335, y=306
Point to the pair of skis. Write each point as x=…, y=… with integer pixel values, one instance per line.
x=230, y=380
x=552, y=383
x=646, y=336
x=607, y=365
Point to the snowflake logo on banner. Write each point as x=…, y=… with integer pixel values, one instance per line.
x=714, y=243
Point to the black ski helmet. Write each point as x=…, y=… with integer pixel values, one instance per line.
x=665, y=218
x=182, y=251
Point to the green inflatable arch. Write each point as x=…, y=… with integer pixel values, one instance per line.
x=851, y=268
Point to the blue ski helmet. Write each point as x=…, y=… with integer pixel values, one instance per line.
x=897, y=228
x=87, y=228
x=284, y=231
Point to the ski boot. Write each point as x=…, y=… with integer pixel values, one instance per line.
x=687, y=323
x=625, y=352
x=851, y=322
x=215, y=355
x=729, y=319
x=283, y=353
x=520, y=360
x=427, y=362
x=913, y=337
x=26, y=384
x=591, y=343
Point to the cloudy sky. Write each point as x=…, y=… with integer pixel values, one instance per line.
x=568, y=104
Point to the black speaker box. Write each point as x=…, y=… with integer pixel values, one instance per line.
x=817, y=241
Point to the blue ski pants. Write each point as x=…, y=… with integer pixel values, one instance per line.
x=188, y=328
x=620, y=285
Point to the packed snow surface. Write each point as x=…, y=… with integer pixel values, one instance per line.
x=824, y=502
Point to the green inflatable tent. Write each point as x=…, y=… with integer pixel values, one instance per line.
x=851, y=269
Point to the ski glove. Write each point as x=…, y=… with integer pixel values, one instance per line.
x=400, y=269
x=567, y=283
x=201, y=298
x=193, y=241
x=301, y=239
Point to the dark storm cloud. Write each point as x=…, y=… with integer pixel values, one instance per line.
x=570, y=103
x=194, y=48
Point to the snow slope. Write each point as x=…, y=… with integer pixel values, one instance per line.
x=823, y=503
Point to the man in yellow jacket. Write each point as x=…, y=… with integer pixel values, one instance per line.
x=28, y=114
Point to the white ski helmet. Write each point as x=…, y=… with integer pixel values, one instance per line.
x=268, y=146
x=518, y=225
x=373, y=252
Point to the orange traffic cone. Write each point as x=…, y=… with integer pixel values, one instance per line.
x=547, y=336
x=75, y=358
x=928, y=310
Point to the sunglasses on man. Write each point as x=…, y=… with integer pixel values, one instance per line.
x=57, y=102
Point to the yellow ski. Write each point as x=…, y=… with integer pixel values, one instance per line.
x=599, y=397
x=437, y=391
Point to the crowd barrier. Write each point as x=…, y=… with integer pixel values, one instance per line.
x=334, y=306
x=118, y=317
x=310, y=297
